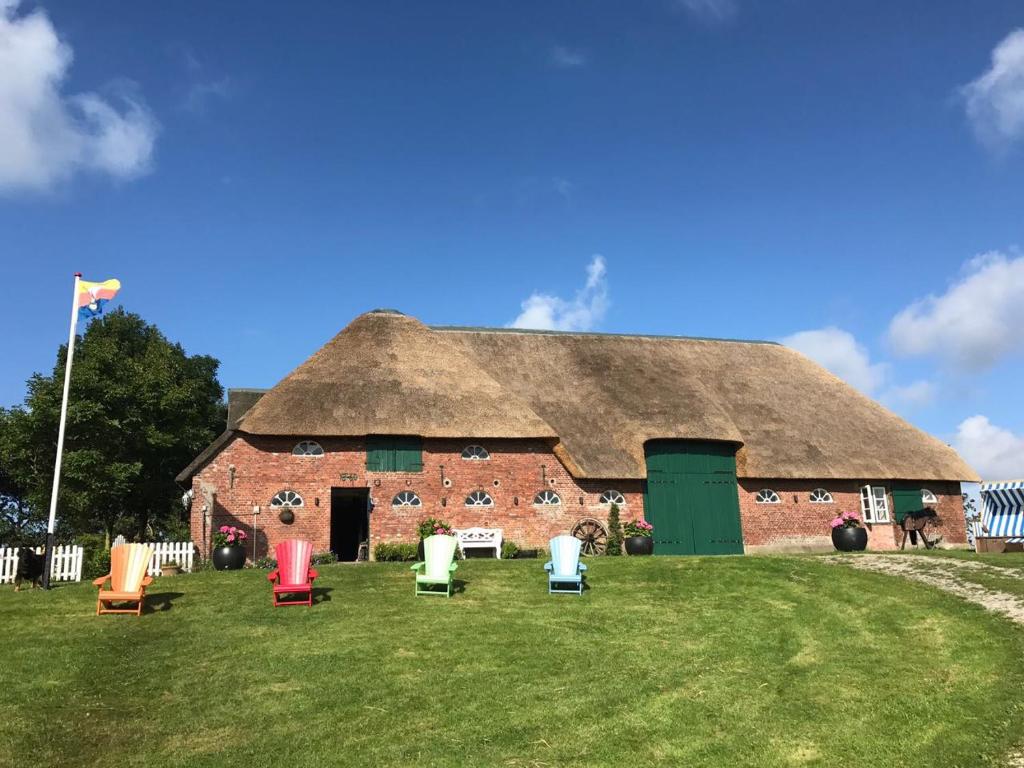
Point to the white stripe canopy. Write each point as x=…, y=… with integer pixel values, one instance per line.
x=1003, y=508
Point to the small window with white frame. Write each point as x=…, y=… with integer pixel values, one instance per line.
x=479, y=499
x=308, y=448
x=546, y=499
x=767, y=496
x=821, y=496
x=874, y=504
x=927, y=497
x=475, y=453
x=613, y=497
x=286, y=499
x=406, y=499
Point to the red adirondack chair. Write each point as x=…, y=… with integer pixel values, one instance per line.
x=293, y=576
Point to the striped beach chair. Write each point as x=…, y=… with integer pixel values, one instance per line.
x=1002, y=515
x=128, y=580
x=293, y=575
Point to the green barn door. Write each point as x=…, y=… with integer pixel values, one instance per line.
x=692, y=499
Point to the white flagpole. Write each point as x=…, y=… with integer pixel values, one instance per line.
x=60, y=435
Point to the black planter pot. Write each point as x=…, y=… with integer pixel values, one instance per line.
x=228, y=558
x=639, y=545
x=850, y=539
x=419, y=552
x=286, y=516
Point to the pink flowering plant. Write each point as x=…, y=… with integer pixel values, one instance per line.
x=846, y=520
x=638, y=528
x=434, y=527
x=229, y=536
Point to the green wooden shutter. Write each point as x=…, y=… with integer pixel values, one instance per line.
x=394, y=454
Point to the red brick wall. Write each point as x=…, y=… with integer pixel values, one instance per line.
x=797, y=524
x=265, y=465
x=512, y=476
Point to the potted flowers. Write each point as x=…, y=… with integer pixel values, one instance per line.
x=639, y=540
x=228, y=548
x=848, y=535
x=431, y=526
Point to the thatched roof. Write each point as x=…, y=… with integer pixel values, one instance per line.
x=599, y=397
x=389, y=374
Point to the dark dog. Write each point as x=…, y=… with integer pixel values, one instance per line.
x=30, y=568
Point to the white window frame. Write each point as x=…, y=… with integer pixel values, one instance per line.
x=774, y=498
x=874, y=504
x=927, y=497
x=478, y=499
x=475, y=453
x=611, y=496
x=546, y=498
x=304, y=447
x=824, y=496
x=286, y=499
x=406, y=499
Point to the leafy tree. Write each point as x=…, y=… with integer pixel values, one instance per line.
x=139, y=410
x=20, y=524
x=614, y=532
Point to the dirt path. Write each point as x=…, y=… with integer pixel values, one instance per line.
x=943, y=573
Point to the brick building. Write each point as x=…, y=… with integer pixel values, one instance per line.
x=725, y=446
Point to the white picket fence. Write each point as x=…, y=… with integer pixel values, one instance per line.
x=67, y=560
x=66, y=565
x=181, y=552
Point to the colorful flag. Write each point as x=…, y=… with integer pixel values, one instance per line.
x=92, y=296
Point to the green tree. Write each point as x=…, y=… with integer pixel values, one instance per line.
x=19, y=523
x=614, y=531
x=139, y=410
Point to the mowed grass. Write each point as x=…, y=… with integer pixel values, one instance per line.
x=665, y=661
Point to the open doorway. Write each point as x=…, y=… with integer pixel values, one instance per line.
x=350, y=521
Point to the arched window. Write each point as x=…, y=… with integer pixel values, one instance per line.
x=475, y=453
x=546, y=499
x=821, y=496
x=307, y=448
x=927, y=497
x=406, y=499
x=479, y=499
x=767, y=496
x=286, y=499
x=613, y=497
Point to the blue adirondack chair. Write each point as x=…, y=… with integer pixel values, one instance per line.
x=439, y=553
x=565, y=571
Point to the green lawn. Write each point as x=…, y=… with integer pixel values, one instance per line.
x=750, y=661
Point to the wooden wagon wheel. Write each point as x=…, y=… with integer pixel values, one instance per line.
x=592, y=534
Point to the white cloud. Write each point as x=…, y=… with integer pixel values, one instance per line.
x=710, y=11
x=47, y=136
x=975, y=323
x=567, y=58
x=838, y=351
x=563, y=188
x=199, y=94
x=996, y=453
x=543, y=311
x=995, y=100
x=917, y=394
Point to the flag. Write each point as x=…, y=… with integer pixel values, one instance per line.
x=92, y=296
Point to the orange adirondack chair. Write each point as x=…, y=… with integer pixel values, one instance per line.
x=128, y=579
x=293, y=576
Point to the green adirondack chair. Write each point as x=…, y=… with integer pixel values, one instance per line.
x=438, y=569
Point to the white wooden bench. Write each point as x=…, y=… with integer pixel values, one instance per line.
x=479, y=538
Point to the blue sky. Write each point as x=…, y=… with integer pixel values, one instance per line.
x=845, y=177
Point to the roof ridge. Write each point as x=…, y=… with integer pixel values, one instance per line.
x=541, y=332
